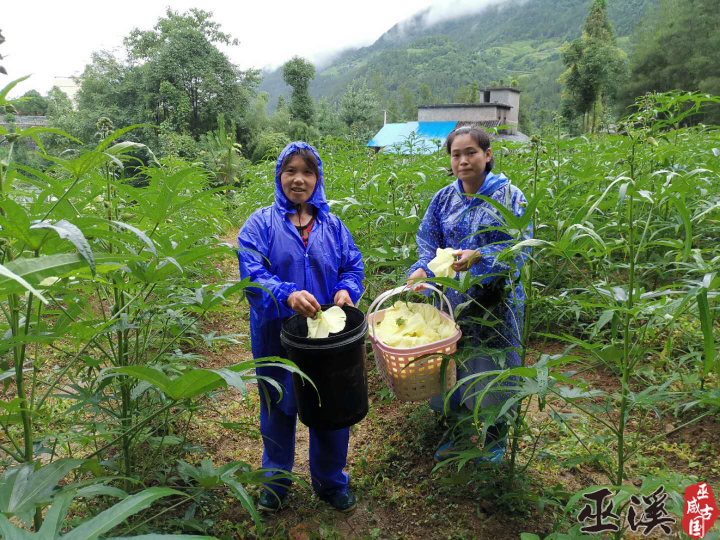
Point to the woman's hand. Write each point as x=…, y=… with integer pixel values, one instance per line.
x=468, y=257
x=417, y=275
x=304, y=303
x=342, y=298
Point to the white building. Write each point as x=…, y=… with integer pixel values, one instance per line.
x=499, y=106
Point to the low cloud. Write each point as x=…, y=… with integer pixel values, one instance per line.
x=448, y=10
x=441, y=11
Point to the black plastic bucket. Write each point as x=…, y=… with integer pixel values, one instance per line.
x=336, y=364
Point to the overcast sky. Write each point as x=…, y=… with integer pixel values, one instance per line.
x=54, y=38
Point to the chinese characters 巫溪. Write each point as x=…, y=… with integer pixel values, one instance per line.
x=600, y=516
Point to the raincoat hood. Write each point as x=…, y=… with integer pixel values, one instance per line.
x=317, y=199
x=492, y=183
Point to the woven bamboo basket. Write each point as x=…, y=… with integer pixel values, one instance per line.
x=411, y=379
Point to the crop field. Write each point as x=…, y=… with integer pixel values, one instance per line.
x=129, y=404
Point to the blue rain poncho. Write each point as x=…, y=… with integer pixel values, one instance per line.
x=450, y=220
x=273, y=254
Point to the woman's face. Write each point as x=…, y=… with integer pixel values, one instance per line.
x=468, y=160
x=298, y=180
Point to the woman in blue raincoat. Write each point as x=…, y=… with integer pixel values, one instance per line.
x=305, y=257
x=455, y=220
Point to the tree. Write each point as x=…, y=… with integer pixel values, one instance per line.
x=33, y=104
x=676, y=49
x=279, y=121
x=174, y=76
x=426, y=96
x=463, y=95
x=359, y=108
x=269, y=145
x=59, y=103
x=407, y=105
x=300, y=131
x=222, y=153
x=253, y=123
x=595, y=66
x=182, y=51
x=297, y=73
x=328, y=119
x=113, y=89
x=474, y=93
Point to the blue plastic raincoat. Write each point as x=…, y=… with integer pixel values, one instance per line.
x=450, y=220
x=328, y=264
x=273, y=254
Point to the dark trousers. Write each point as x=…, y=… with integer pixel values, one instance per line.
x=328, y=453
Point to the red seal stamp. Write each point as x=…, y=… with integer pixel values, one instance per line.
x=700, y=511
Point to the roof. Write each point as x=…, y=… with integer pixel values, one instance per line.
x=466, y=105
x=392, y=133
x=412, y=137
x=491, y=88
x=436, y=130
x=520, y=137
x=481, y=124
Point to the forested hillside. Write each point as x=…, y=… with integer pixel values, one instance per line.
x=587, y=306
x=414, y=62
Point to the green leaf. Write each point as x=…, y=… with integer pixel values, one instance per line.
x=14, y=481
x=245, y=499
x=195, y=383
x=685, y=216
x=5, y=91
x=100, y=489
x=26, y=487
x=37, y=269
x=16, y=223
x=11, y=532
x=141, y=235
x=604, y=319
x=706, y=323
x=10, y=275
x=10, y=372
x=154, y=376
x=232, y=379
x=113, y=516
x=54, y=517
x=34, y=131
x=118, y=133
x=68, y=231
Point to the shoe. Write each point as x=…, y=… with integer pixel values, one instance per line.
x=270, y=502
x=445, y=451
x=496, y=453
x=342, y=503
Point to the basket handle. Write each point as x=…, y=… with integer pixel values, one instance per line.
x=372, y=310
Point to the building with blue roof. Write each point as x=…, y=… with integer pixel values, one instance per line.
x=499, y=107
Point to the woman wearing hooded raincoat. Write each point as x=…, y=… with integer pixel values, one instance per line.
x=305, y=256
x=454, y=220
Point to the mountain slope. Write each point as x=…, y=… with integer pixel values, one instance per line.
x=518, y=38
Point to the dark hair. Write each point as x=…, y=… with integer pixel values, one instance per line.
x=482, y=138
x=307, y=156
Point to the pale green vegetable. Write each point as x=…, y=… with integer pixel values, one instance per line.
x=441, y=265
x=327, y=322
x=408, y=325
